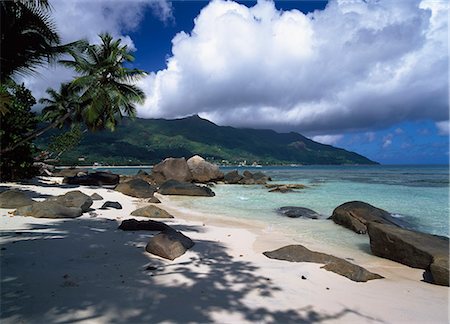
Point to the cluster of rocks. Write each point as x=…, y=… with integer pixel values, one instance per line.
x=168, y=243
x=247, y=178
x=388, y=237
x=195, y=169
x=70, y=205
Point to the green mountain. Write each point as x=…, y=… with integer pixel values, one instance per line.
x=147, y=141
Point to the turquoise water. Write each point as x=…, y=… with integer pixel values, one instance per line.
x=418, y=195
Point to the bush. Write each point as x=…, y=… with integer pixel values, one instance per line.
x=15, y=123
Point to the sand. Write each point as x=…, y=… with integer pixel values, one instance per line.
x=86, y=270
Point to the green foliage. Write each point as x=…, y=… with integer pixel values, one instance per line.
x=59, y=144
x=28, y=36
x=15, y=123
x=105, y=86
x=147, y=141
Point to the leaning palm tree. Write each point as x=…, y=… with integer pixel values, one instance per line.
x=106, y=86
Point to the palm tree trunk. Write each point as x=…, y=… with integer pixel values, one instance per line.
x=35, y=134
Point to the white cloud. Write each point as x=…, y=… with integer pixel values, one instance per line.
x=328, y=139
x=387, y=140
x=355, y=65
x=163, y=10
x=76, y=19
x=443, y=127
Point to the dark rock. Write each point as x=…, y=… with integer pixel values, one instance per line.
x=151, y=212
x=70, y=172
x=96, y=196
x=203, y=171
x=415, y=249
x=111, y=204
x=232, y=177
x=14, y=199
x=288, y=186
x=173, y=187
x=298, y=253
x=147, y=225
x=94, y=179
x=298, y=212
x=282, y=189
x=172, y=168
x=355, y=215
x=169, y=244
x=48, y=209
x=136, y=188
x=154, y=200
x=74, y=198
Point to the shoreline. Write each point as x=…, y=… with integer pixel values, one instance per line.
x=85, y=269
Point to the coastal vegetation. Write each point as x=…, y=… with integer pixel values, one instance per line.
x=100, y=95
x=147, y=141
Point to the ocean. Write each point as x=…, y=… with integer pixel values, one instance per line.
x=417, y=195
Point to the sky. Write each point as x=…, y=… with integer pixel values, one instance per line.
x=370, y=76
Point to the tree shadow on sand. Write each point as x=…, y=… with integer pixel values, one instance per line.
x=87, y=269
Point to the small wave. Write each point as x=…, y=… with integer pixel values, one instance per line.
x=397, y=215
x=243, y=198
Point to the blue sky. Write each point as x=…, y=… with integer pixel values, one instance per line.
x=368, y=76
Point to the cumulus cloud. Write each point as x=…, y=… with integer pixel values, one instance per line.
x=443, y=127
x=76, y=19
x=357, y=65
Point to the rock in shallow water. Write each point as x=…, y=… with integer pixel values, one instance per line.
x=298, y=212
x=415, y=249
x=356, y=214
x=298, y=253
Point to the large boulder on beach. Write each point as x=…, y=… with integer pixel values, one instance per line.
x=173, y=187
x=146, y=225
x=136, y=188
x=299, y=253
x=151, y=211
x=355, y=215
x=172, y=169
x=74, y=198
x=203, y=171
x=232, y=177
x=48, y=209
x=14, y=199
x=298, y=212
x=412, y=248
x=93, y=179
x=169, y=244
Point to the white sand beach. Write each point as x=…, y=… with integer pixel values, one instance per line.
x=85, y=270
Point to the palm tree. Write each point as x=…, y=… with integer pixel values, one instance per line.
x=28, y=36
x=99, y=96
x=106, y=87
